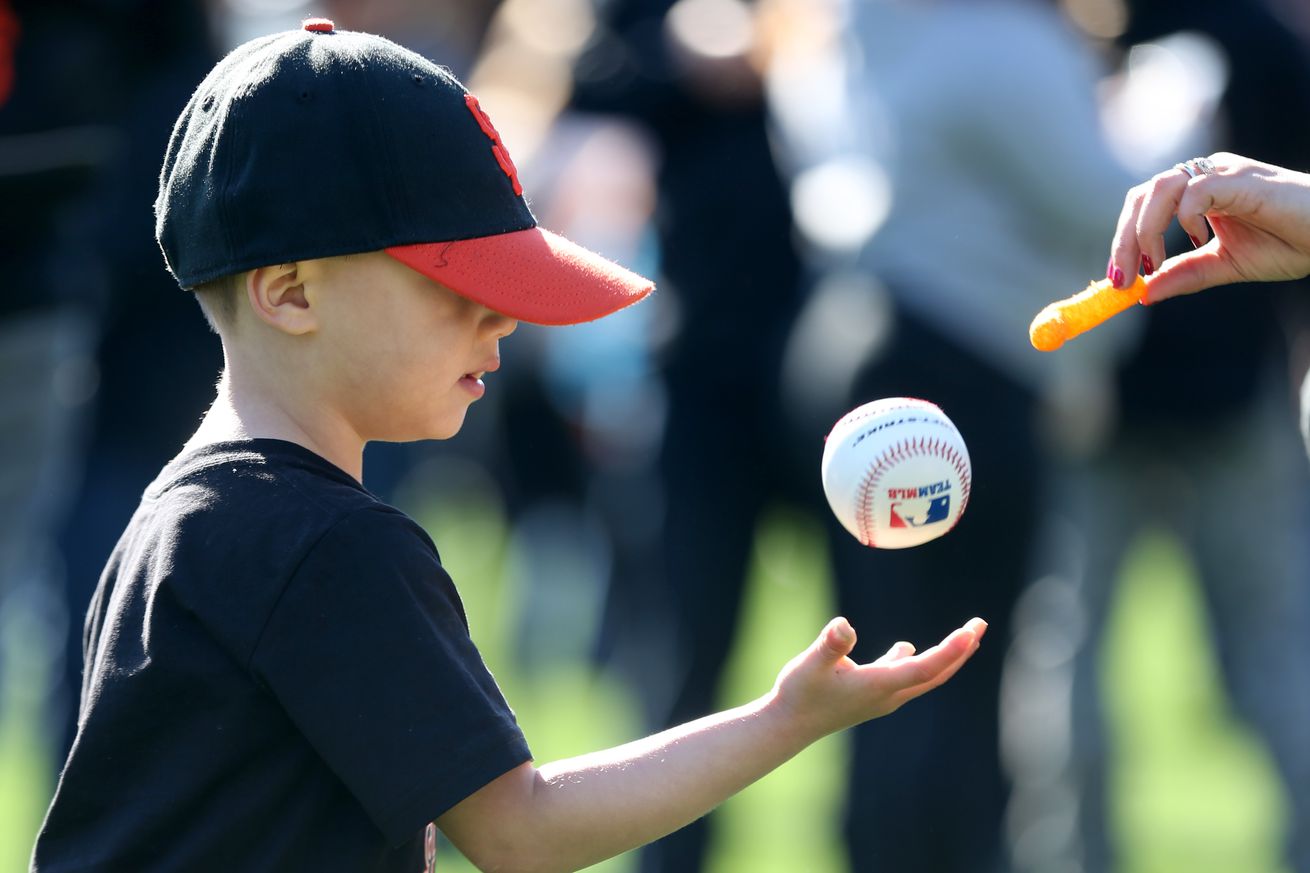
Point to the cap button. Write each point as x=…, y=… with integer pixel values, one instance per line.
x=318, y=25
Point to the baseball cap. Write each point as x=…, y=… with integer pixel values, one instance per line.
x=318, y=142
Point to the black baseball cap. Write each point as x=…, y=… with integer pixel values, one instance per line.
x=318, y=142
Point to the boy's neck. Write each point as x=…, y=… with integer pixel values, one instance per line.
x=238, y=414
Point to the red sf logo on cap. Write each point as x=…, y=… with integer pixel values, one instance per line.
x=497, y=147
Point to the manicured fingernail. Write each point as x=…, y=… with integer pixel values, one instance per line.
x=1117, y=278
x=1147, y=265
x=1196, y=243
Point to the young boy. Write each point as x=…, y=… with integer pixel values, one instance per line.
x=279, y=674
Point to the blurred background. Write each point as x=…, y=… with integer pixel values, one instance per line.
x=840, y=200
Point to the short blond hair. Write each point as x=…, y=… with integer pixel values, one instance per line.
x=219, y=299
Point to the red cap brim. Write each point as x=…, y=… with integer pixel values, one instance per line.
x=532, y=275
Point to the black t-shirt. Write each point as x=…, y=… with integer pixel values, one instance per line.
x=279, y=677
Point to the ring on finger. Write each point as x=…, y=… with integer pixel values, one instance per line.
x=1196, y=167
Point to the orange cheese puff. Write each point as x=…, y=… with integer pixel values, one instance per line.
x=1065, y=319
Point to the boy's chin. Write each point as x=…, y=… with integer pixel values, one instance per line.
x=417, y=431
x=446, y=429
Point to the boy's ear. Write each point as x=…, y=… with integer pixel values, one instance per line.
x=277, y=295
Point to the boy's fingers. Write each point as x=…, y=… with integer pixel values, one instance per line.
x=941, y=677
x=937, y=664
x=837, y=639
x=978, y=626
x=898, y=651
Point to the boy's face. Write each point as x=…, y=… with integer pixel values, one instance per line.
x=405, y=354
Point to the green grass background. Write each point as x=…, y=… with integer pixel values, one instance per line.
x=1191, y=789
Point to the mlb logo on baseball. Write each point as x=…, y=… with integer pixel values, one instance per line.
x=896, y=472
x=916, y=507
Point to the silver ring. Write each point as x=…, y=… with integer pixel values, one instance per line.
x=1196, y=167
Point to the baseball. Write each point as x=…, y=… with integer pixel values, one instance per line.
x=896, y=472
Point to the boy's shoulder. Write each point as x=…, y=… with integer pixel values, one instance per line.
x=251, y=482
x=232, y=472
x=227, y=529
x=250, y=512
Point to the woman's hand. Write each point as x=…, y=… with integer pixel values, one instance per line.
x=1260, y=215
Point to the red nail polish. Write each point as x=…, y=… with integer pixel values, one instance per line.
x=1118, y=278
x=1147, y=265
x=1196, y=243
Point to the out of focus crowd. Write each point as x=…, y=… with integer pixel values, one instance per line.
x=840, y=200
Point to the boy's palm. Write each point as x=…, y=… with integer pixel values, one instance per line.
x=827, y=691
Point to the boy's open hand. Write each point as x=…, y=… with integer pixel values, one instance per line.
x=825, y=691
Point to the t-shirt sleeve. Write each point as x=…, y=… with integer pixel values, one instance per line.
x=368, y=651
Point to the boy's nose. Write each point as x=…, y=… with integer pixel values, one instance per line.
x=502, y=325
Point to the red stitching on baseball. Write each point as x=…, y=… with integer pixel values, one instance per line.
x=865, y=518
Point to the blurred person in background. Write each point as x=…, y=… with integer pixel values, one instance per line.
x=154, y=362
x=1204, y=446
x=972, y=128
x=73, y=80
x=450, y=33
x=57, y=134
x=588, y=395
x=690, y=73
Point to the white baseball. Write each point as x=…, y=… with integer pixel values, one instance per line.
x=896, y=472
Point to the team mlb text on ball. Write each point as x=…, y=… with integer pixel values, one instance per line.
x=896, y=472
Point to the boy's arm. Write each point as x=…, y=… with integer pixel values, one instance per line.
x=577, y=812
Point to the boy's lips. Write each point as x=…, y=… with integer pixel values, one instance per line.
x=472, y=381
x=490, y=365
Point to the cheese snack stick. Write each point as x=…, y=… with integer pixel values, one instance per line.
x=1067, y=318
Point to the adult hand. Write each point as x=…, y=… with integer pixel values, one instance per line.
x=1260, y=215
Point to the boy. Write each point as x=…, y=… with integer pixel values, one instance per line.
x=278, y=670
